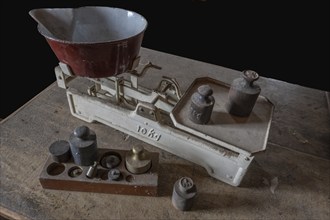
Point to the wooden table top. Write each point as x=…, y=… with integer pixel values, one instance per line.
x=290, y=179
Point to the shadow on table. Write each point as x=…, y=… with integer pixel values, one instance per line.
x=209, y=201
x=255, y=176
x=169, y=173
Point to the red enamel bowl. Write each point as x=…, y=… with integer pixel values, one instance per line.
x=94, y=41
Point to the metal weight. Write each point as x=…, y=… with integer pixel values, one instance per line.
x=138, y=160
x=202, y=103
x=92, y=170
x=83, y=146
x=60, y=151
x=243, y=94
x=184, y=192
x=114, y=174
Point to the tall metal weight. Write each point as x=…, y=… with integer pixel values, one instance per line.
x=83, y=146
x=183, y=195
x=243, y=94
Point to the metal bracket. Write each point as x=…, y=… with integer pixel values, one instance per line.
x=61, y=78
x=138, y=70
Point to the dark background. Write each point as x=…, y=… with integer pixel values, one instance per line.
x=285, y=40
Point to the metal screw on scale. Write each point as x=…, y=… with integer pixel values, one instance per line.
x=184, y=192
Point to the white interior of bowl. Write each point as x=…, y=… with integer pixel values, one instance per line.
x=91, y=24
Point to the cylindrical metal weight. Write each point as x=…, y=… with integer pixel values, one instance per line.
x=138, y=160
x=243, y=94
x=202, y=103
x=60, y=151
x=83, y=146
x=92, y=170
x=114, y=174
x=184, y=192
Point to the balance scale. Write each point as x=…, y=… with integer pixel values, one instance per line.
x=225, y=146
x=159, y=116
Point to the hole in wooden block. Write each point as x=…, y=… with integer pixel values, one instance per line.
x=102, y=174
x=129, y=178
x=110, y=160
x=55, y=169
x=75, y=172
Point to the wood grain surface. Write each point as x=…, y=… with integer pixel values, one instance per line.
x=289, y=180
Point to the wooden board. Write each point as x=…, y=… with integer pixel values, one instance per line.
x=145, y=184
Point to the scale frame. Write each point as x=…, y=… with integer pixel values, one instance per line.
x=154, y=118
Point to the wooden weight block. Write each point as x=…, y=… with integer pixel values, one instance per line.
x=72, y=177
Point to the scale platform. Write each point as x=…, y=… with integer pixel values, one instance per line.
x=240, y=134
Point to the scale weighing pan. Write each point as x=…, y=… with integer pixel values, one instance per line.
x=245, y=135
x=94, y=41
